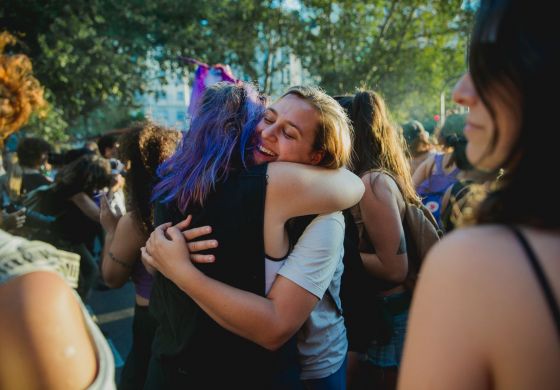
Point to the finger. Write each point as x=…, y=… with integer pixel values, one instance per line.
x=146, y=257
x=174, y=234
x=184, y=223
x=197, y=246
x=203, y=259
x=163, y=226
x=191, y=234
x=21, y=212
x=104, y=203
x=147, y=260
x=160, y=232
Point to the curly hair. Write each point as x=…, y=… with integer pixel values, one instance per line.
x=20, y=92
x=143, y=147
x=88, y=174
x=30, y=151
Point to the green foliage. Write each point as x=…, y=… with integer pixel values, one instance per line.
x=95, y=55
x=405, y=49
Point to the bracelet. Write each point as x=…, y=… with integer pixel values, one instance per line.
x=125, y=265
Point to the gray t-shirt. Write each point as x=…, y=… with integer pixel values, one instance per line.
x=316, y=265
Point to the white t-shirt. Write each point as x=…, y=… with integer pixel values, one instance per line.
x=316, y=265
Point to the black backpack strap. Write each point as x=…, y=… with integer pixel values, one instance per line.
x=541, y=276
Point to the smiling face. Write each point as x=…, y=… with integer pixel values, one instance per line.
x=489, y=141
x=287, y=132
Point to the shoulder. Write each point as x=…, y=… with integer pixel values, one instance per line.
x=475, y=256
x=382, y=184
x=336, y=220
x=325, y=231
x=484, y=241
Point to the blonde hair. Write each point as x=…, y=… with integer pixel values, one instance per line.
x=20, y=92
x=334, y=132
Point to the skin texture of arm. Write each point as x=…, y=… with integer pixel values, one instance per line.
x=124, y=244
x=297, y=189
x=292, y=190
x=48, y=345
x=87, y=205
x=383, y=203
x=480, y=321
x=269, y=321
x=423, y=171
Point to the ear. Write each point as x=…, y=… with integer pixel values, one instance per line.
x=317, y=157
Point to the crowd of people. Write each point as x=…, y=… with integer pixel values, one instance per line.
x=238, y=235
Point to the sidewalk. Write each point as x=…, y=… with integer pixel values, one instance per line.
x=113, y=311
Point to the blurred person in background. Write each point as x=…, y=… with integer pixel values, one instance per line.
x=51, y=341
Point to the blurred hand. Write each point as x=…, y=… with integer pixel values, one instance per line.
x=14, y=220
x=108, y=220
x=168, y=251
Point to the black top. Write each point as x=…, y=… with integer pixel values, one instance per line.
x=30, y=181
x=541, y=277
x=194, y=351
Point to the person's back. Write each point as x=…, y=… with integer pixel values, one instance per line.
x=434, y=177
x=187, y=339
x=418, y=144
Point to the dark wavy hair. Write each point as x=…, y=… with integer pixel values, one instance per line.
x=30, y=151
x=88, y=174
x=220, y=132
x=144, y=146
x=514, y=59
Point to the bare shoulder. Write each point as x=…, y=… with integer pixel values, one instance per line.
x=491, y=246
x=46, y=327
x=380, y=183
x=475, y=295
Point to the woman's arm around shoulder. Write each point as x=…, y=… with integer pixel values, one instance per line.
x=121, y=251
x=299, y=189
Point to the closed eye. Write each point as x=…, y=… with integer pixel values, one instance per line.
x=287, y=135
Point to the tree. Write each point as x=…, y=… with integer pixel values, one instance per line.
x=403, y=49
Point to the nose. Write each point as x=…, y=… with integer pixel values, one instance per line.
x=268, y=132
x=464, y=92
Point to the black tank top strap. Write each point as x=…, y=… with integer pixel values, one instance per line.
x=543, y=281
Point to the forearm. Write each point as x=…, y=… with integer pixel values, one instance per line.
x=377, y=268
x=241, y=312
x=86, y=205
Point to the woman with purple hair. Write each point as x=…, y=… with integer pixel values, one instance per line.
x=236, y=323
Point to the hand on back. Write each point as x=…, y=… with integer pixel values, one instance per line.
x=171, y=249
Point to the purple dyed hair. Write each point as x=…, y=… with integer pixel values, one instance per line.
x=218, y=139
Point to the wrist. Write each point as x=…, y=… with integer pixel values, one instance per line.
x=187, y=277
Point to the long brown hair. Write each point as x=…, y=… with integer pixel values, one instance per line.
x=144, y=146
x=378, y=145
